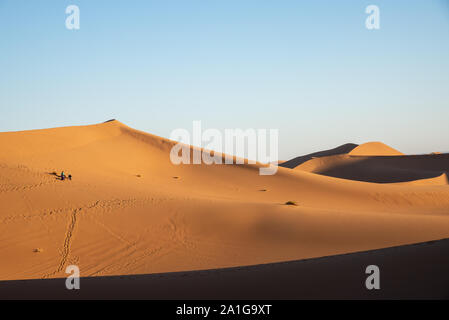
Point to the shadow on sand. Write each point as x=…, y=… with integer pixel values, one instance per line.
x=418, y=271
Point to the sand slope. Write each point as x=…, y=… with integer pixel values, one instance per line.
x=405, y=273
x=129, y=210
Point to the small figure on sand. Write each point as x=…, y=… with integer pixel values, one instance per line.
x=62, y=175
x=70, y=177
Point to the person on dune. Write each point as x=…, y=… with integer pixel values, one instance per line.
x=62, y=175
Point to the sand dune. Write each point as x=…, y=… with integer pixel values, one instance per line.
x=378, y=167
x=129, y=210
x=405, y=274
x=374, y=149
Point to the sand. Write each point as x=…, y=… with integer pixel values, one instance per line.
x=128, y=210
x=374, y=149
x=405, y=273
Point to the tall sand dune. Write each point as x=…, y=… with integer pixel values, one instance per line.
x=129, y=210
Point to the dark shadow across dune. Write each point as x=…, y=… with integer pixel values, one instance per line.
x=345, y=148
x=418, y=271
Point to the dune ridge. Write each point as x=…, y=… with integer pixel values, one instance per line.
x=329, y=277
x=343, y=149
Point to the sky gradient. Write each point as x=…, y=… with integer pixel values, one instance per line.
x=310, y=69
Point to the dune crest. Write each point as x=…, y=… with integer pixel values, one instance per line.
x=343, y=149
x=374, y=149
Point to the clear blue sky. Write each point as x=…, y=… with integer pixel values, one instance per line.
x=309, y=68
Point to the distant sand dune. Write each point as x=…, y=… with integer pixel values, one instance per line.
x=379, y=169
x=382, y=165
x=374, y=149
